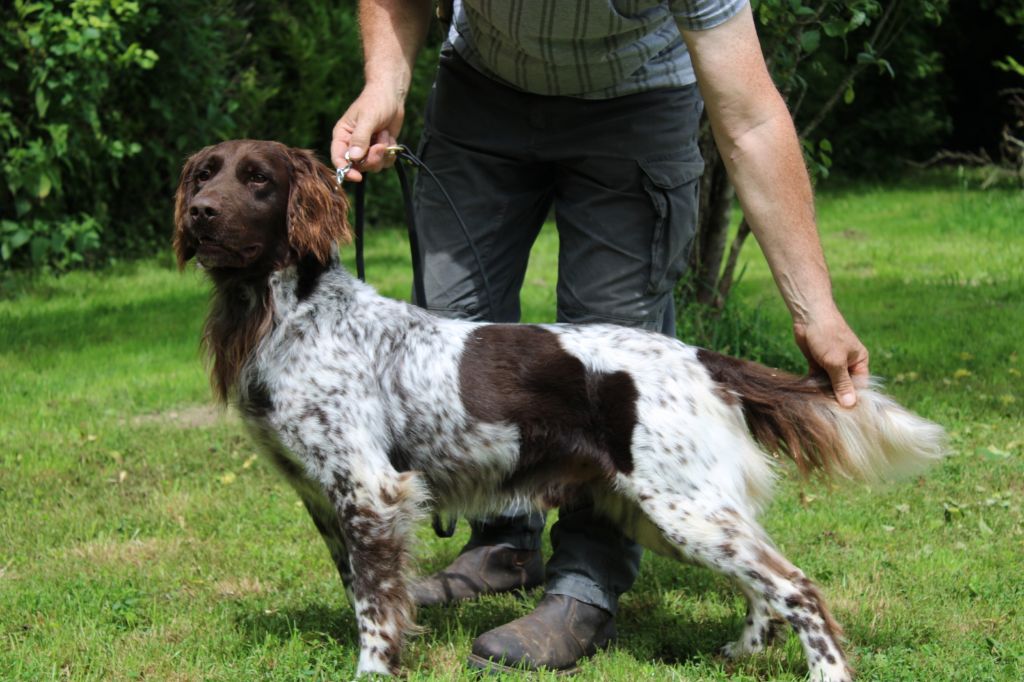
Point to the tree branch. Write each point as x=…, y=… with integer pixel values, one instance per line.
x=885, y=22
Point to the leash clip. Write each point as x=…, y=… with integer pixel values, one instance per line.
x=340, y=173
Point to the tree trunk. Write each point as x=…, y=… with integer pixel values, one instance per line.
x=725, y=282
x=712, y=223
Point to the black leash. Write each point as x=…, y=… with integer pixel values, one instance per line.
x=419, y=293
x=360, y=205
x=404, y=155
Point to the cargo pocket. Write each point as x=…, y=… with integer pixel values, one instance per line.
x=673, y=185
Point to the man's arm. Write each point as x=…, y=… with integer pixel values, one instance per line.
x=393, y=32
x=757, y=140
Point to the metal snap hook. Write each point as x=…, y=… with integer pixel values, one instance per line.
x=340, y=173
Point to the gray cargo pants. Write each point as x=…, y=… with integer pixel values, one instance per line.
x=622, y=176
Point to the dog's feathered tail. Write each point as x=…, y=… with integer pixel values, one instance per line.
x=872, y=441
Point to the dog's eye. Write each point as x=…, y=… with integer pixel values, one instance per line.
x=258, y=178
x=203, y=175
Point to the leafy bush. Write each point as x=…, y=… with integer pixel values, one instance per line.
x=828, y=57
x=102, y=100
x=204, y=88
x=60, y=243
x=735, y=328
x=59, y=61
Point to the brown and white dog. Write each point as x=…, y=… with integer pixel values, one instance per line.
x=376, y=411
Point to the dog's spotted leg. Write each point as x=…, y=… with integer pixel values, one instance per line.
x=781, y=587
x=798, y=601
x=722, y=538
x=375, y=515
x=762, y=628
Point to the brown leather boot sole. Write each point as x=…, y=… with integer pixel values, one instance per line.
x=482, y=667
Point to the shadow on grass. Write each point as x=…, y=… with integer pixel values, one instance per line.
x=651, y=627
x=329, y=625
x=311, y=623
x=665, y=618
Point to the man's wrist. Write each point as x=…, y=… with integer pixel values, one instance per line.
x=806, y=313
x=391, y=91
x=807, y=298
x=391, y=74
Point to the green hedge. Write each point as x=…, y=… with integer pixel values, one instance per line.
x=101, y=101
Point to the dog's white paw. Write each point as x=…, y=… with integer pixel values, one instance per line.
x=741, y=648
x=756, y=638
x=371, y=665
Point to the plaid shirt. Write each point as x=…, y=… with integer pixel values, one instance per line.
x=593, y=49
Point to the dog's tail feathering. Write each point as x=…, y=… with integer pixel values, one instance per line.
x=873, y=441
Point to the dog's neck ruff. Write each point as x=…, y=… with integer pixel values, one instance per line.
x=342, y=320
x=307, y=282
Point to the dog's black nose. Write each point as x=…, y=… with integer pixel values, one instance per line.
x=203, y=208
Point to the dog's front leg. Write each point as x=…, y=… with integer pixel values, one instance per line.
x=375, y=514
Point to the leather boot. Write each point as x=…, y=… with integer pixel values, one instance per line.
x=481, y=570
x=556, y=635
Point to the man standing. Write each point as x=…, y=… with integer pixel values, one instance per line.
x=591, y=107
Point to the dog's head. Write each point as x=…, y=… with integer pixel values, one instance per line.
x=250, y=204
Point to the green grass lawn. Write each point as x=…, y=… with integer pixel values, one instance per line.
x=140, y=537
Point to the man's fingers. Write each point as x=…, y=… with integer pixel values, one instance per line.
x=859, y=369
x=360, y=140
x=341, y=139
x=834, y=349
x=379, y=157
x=352, y=136
x=370, y=130
x=338, y=146
x=353, y=175
x=842, y=385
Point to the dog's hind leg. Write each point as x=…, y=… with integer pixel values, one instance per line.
x=721, y=537
x=761, y=628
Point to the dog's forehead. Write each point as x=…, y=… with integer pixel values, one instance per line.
x=233, y=152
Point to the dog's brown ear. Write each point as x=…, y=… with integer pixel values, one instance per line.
x=317, y=208
x=184, y=249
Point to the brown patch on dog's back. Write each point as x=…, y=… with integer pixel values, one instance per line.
x=572, y=422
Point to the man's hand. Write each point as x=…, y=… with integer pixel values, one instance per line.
x=369, y=126
x=830, y=346
x=393, y=32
